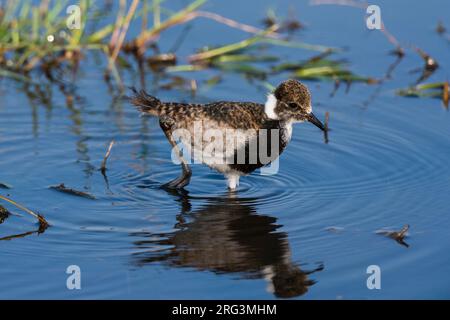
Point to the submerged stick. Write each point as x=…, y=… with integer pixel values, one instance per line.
x=105, y=159
x=325, y=132
x=4, y=214
x=62, y=188
x=43, y=224
x=21, y=235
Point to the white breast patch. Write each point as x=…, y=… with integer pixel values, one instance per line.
x=288, y=132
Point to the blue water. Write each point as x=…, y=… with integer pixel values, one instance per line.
x=308, y=232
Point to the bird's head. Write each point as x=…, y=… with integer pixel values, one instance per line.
x=291, y=101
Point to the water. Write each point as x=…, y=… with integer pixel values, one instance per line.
x=308, y=232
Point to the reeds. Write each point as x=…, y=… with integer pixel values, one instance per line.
x=43, y=224
x=105, y=159
x=35, y=37
x=439, y=90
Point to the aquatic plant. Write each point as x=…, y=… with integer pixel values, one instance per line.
x=36, y=37
x=439, y=90
x=43, y=224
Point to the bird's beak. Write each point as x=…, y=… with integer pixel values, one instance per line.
x=313, y=119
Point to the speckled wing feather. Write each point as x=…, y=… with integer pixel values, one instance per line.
x=235, y=115
x=246, y=116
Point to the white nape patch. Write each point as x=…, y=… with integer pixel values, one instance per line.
x=269, y=107
x=233, y=181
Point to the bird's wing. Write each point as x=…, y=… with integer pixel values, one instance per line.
x=236, y=115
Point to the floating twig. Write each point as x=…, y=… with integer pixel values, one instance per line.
x=43, y=224
x=22, y=235
x=4, y=214
x=62, y=188
x=398, y=236
x=105, y=159
x=430, y=65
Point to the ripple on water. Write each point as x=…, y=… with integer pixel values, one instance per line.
x=358, y=163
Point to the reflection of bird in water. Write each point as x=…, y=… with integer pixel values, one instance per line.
x=227, y=236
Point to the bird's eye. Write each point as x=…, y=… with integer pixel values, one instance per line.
x=292, y=105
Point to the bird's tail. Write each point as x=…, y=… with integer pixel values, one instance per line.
x=146, y=103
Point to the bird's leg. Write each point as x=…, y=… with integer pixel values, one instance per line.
x=167, y=124
x=233, y=181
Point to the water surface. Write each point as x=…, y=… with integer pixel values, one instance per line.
x=307, y=232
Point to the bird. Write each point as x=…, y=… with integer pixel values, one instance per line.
x=230, y=137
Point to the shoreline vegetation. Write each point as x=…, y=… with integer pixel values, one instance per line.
x=36, y=38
